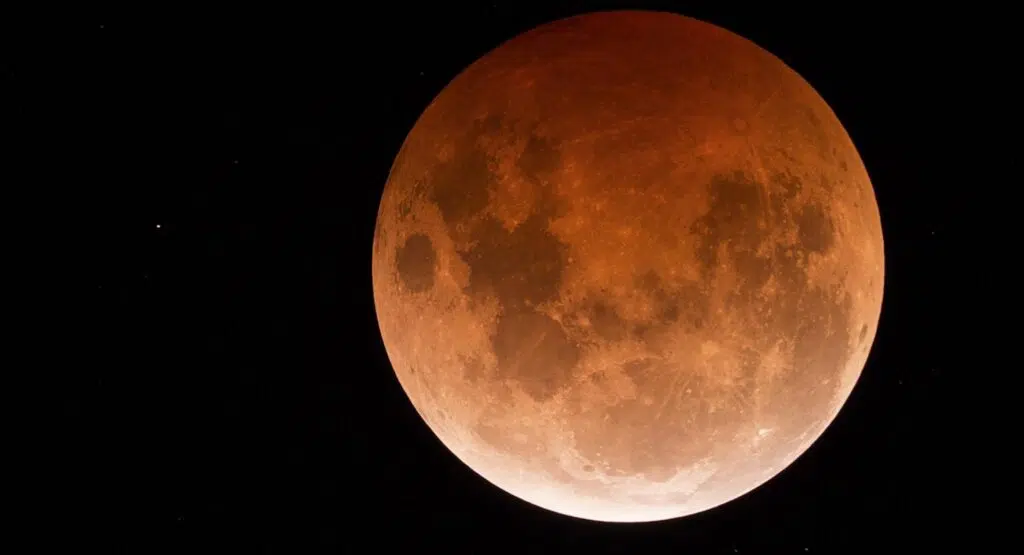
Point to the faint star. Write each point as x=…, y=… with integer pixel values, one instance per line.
x=102, y=26
x=421, y=74
x=158, y=226
x=234, y=161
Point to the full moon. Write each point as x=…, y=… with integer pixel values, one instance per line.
x=628, y=266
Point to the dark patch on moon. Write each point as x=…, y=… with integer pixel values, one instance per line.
x=635, y=368
x=460, y=187
x=521, y=267
x=669, y=313
x=416, y=262
x=814, y=230
x=534, y=350
x=863, y=334
x=736, y=210
x=606, y=322
x=538, y=158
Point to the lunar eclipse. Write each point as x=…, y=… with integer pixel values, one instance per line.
x=628, y=266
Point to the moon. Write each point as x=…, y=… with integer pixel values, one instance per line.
x=628, y=266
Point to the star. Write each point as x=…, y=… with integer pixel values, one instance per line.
x=158, y=226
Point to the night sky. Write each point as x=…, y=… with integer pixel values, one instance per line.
x=236, y=395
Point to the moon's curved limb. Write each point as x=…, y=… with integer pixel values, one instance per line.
x=628, y=266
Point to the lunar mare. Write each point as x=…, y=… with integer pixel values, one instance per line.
x=628, y=266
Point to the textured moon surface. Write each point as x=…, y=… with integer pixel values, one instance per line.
x=628, y=266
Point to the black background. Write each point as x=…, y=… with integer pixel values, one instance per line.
x=236, y=396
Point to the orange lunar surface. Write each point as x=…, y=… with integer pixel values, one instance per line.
x=628, y=266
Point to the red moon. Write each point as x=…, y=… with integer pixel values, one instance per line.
x=628, y=266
